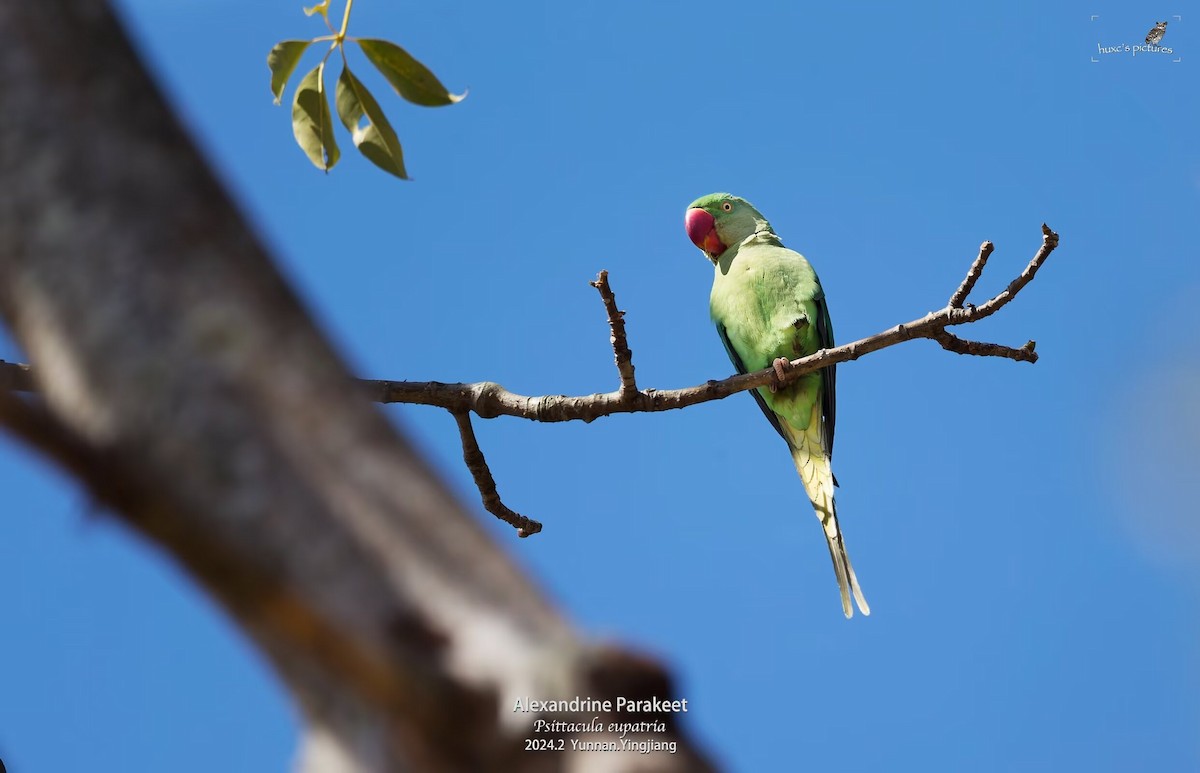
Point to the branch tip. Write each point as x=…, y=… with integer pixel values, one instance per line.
x=953, y=343
x=620, y=343
x=476, y=462
x=973, y=274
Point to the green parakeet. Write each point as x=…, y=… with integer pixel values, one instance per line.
x=769, y=308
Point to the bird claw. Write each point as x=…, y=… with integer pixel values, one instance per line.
x=781, y=365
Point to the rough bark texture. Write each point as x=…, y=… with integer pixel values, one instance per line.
x=183, y=384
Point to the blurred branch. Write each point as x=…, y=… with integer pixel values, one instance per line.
x=182, y=383
x=15, y=377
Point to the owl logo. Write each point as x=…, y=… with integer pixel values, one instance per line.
x=1156, y=34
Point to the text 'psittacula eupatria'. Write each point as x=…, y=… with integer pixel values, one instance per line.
x=769, y=308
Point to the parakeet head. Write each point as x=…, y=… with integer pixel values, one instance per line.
x=719, y=220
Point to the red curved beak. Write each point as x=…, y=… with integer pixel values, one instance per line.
x=702, y=230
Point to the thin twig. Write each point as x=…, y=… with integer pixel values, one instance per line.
x=620, y=344
x=477, y=464
x=953, y=343
x=968, y=284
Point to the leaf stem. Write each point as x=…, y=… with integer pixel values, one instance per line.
x=345, y=20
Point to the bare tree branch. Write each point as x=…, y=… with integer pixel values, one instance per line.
x=968, y=284
x=953, y=343
x=477, y=464
x=620, y=344
x=489, y=400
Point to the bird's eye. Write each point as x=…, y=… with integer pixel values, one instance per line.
x=727, y=206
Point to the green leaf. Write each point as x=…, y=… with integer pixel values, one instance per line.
x=376, y=140
x=411, y=79
x=311, y=121
x=283, y=60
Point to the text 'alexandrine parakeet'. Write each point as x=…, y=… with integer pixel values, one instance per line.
x=768, y=306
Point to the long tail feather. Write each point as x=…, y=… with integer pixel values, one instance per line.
x=847, y=581
x=808, y=452
x=837, y=551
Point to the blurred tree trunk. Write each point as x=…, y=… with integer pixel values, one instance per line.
x=183, y=384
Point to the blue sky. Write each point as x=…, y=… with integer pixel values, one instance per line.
x=1027, y=535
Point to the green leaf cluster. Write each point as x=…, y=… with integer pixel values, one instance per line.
x=357, y=108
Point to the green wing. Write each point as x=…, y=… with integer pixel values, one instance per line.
x=741, y=368
x=828, y=374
